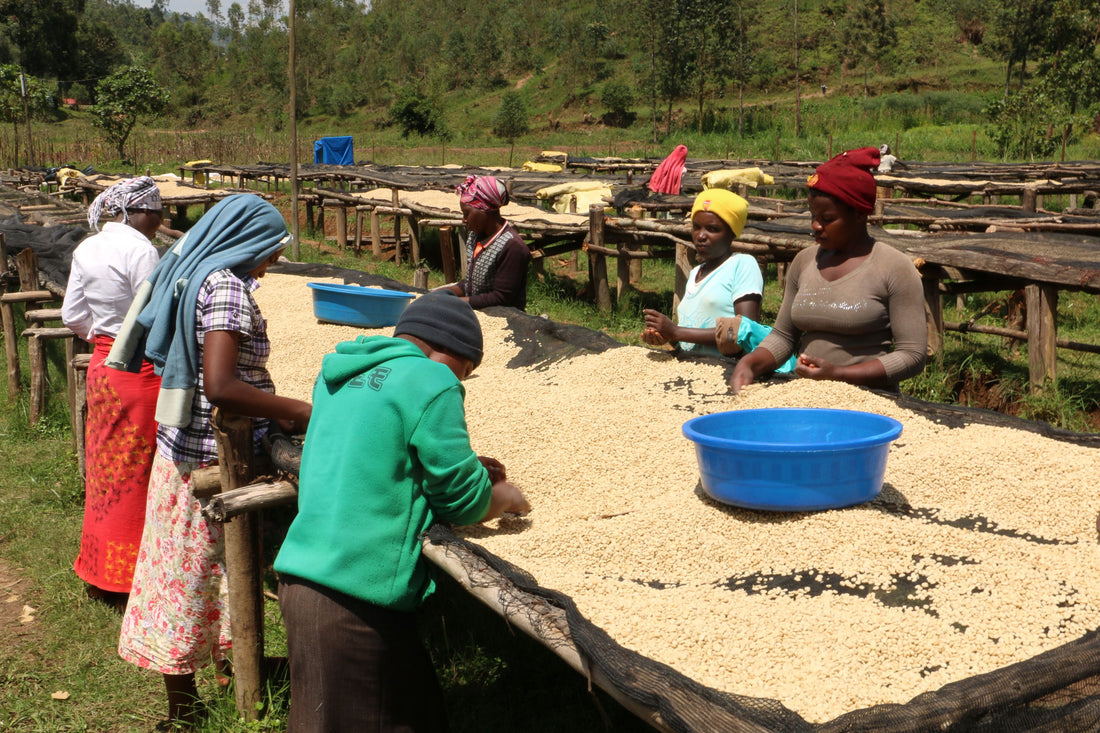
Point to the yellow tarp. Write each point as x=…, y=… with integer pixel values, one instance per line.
x=65, y=175
x=585, y=199
x=531, y=165
x=198, y=176
x=555, y=155
x=731, y=178
x=552, y=192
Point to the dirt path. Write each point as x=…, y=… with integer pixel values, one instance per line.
x=18, y=625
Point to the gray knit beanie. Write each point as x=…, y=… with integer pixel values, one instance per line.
x=445, y=321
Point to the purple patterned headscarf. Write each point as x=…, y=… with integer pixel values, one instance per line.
x=129, y=193
x=482, y=192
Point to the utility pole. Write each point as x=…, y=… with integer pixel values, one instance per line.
x=797, y=79
x=294, y=228
x=27, y=117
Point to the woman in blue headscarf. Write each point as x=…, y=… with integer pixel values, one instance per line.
x=196, y=320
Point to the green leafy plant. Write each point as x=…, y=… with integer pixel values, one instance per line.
x=511, y=120
x=122, y=99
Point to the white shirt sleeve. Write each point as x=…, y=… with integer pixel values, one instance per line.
x=75, y=312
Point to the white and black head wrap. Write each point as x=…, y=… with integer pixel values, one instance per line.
x=129, y=193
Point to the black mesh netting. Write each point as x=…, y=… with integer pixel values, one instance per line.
x=1058, y=690
x=52, y=245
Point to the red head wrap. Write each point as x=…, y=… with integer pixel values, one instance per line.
x=848, y=177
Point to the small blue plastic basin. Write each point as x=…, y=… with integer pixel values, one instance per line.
x=792, y=459
x=353, y=305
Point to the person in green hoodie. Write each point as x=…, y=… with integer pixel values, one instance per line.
x=387, y=453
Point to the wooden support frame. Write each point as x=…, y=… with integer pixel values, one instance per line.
x=597, y=261
x=233, y=434
x=78, y=406
x=1042, y=334
x=933, y=312
x=447, y=253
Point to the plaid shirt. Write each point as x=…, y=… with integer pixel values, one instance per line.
x=225, y=304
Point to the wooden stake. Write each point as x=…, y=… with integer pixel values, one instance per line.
x=447, y=253
x=233, y=434
x=375, y=235
x=1042, y=334
x=396, y=229
x=342, y=227
x=598, y=266
x=78, y=412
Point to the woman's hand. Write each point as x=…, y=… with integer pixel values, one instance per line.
x=751, y=365
x=506, y=498
x=742, y=376
x=813, y=367
x=495, y=469
x=659, y=328
x=297, y=425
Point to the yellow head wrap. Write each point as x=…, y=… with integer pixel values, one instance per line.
x=727, y=205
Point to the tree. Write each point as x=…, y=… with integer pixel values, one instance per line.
x=742, y=64
x=511, y=120
x=45, y=32
x=618, y=97
x=418, y=111
x=867, y=34
x=40, y=102
x=122, y=99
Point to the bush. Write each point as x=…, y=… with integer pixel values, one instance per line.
x=416, y=111
x=618, y=97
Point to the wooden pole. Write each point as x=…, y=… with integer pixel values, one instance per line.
x=396, y=229
x=414, y=239
x=233, y=434
x=294, y=227
x=933, y=311
x=601, y=289
x=622, y=271
x=79, y=409
x=11, y=348
x=375, y=236
x=342, y=227
x=420, y=278
x=683, y=268
x=1042, y=334
x=37, y=358
x=358, y=229
x=27, y=117
x=447, y=253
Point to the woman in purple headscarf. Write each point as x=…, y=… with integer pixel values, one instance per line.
x=496, y=255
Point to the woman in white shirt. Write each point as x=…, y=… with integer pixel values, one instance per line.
x=120, y=433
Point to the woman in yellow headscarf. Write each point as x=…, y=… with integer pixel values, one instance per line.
x=720, y=310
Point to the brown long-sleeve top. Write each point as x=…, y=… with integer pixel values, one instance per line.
x=876, y=311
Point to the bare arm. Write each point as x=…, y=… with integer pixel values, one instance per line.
x=224, y=389
x=659, y=328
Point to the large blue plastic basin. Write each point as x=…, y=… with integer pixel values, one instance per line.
x=353, y=305
x=792, y=459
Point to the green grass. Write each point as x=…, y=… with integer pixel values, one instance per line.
x=495, y=679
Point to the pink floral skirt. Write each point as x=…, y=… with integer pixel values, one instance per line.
x=177, y=620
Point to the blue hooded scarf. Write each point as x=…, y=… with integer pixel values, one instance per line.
x=237, y=234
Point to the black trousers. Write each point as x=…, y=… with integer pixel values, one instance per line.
x=355, y=666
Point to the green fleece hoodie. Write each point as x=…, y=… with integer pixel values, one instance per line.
x=386, y=453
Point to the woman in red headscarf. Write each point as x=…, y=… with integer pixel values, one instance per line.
x=496, y=255
x=853, y=308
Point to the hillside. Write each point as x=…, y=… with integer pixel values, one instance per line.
x=631, y=72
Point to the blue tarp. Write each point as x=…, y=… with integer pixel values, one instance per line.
x=334, y=151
